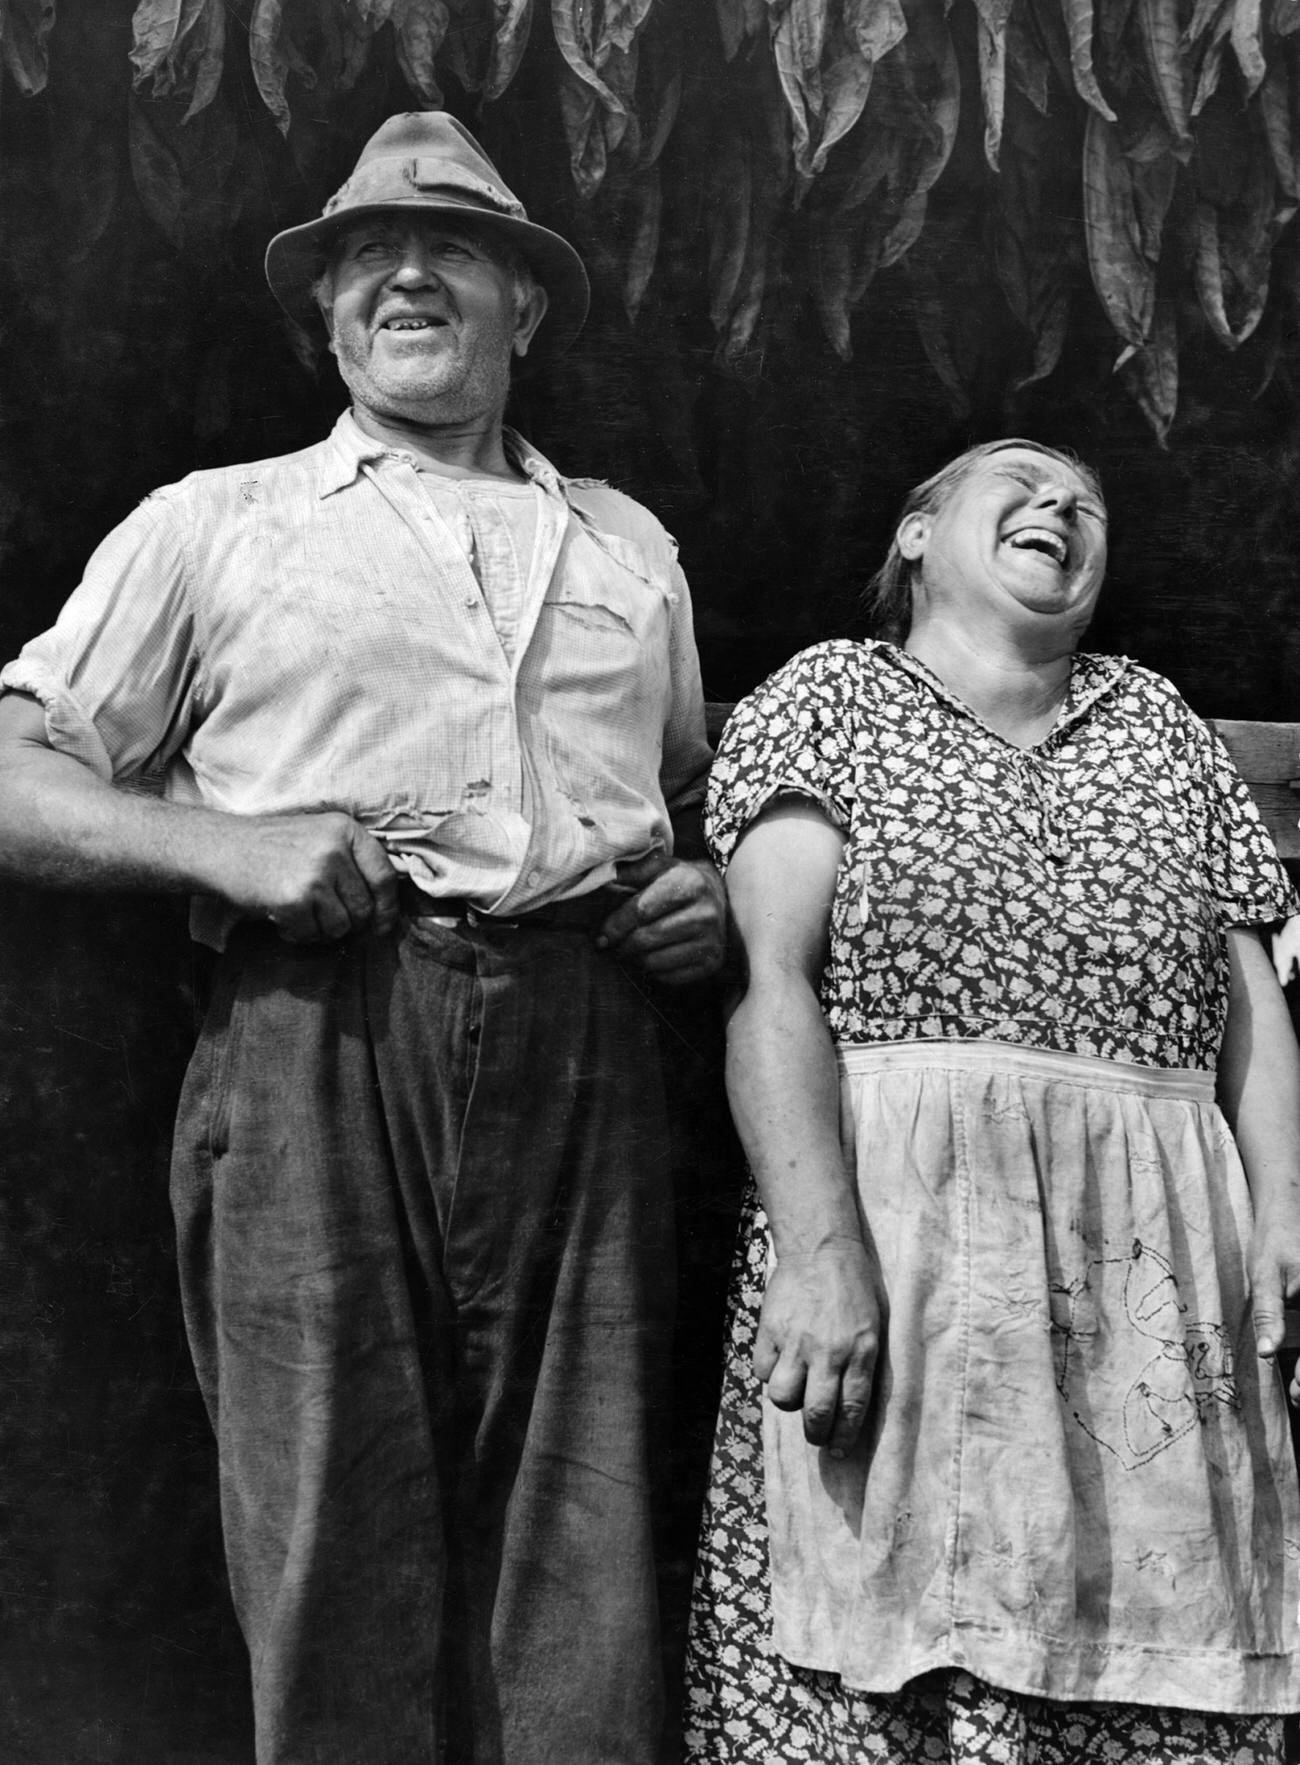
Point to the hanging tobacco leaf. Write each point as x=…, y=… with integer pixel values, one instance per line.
x=731, y=186
x=606, y=65
x=182, y=170
x=582, y=131
x=1211, y=68
x=663, y=108
x=421, y=28
x=1233, y=246
x=1078, y=17
x=156, y=171
x=930, y=317
x=180, y=45
x=1247, y=43
x=155, y=27
x=1168, y=64
x=831, y=278
x=512, y=22
x=825, y=67
x=25, y=43
x=270, y=60
x=1204, y=14
x=993, y=16
x=770, y=134
x=87, y=173
x=1112, y=28
x=1028, y=65
x=643, y=243
x=1124, y=206
x=797, y=39
x=1034, y=242
x=876, y=26
x=1275, y=113
x=738, y=21
x=1151, y=373
x=846, y=84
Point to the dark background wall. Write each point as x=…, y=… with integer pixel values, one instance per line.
x=132, y=352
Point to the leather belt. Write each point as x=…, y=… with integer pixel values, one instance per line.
x=581, y=913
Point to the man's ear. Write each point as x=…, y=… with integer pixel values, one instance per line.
x=532, y=310
x=323, y=294
x=912, y=536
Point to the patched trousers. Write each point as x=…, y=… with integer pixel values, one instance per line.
x=422, y=1189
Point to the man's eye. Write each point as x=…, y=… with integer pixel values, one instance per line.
x=371, y=248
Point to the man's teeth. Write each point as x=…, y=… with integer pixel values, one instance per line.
x=409, y=324
x=1039, y=539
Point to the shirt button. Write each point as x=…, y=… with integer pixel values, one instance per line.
x=534, y=877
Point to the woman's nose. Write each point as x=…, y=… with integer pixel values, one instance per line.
x=1063, y=499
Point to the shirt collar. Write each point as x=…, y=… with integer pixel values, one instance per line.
x=348, y=448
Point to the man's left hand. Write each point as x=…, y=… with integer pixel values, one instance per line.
x=675, y=925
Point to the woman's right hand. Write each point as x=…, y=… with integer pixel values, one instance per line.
x=819, y=1336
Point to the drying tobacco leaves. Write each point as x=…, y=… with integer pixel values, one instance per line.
x=827, y=128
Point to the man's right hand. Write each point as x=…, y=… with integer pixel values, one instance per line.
x=316, y=877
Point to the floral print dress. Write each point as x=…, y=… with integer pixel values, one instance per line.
x=1070, y=1528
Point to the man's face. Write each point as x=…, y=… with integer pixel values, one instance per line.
x=424, y=319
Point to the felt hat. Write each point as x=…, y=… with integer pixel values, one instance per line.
x=424, y=162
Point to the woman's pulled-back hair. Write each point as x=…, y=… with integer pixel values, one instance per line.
x=887, y=601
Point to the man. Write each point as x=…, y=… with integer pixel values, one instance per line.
x=427, y=717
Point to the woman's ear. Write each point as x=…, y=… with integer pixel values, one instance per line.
x=912, y=535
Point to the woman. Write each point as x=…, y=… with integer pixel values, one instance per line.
x=1029, y=1486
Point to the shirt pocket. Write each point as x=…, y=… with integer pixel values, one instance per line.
x=606, y=617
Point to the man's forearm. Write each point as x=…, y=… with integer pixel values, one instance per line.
x=317, y=875
x=61, y=826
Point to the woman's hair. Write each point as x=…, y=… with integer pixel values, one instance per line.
x=888, y=598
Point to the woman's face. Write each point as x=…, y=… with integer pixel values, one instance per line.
x=1020, y=541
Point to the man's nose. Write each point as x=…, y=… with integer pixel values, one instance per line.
x=414, y=268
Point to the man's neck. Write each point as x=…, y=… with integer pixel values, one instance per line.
x=471, y=449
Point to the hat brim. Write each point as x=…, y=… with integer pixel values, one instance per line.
x=296, y=257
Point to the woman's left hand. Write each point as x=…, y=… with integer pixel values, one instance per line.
x=1274, y=1278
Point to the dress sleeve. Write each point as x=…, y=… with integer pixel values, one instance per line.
x=797, y=734
x=1246, y=876
x=115, y=673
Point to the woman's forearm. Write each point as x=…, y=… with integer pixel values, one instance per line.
x=1259, y=1078
x=783, y=1084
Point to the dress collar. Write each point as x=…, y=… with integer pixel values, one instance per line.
x=1091, y=679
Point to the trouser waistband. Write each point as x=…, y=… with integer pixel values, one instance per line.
x=580, y=913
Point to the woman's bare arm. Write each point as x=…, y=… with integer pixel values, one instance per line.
x=823, y=1311
x=1259, y=1092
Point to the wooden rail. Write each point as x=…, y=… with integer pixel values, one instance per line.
x=1266, y=754
x=1268, y=758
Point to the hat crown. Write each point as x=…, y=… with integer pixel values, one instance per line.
x=425, y=154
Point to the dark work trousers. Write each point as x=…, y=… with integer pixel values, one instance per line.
x=422, y=1193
